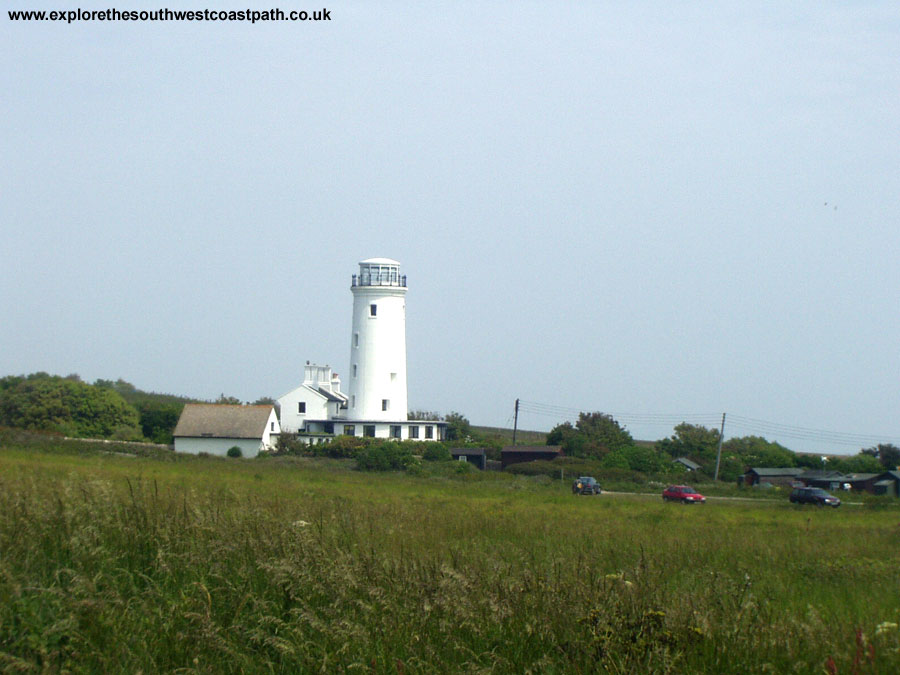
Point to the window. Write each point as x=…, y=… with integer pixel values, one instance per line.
x=354, y=370
x=393, y=377
x=429, y=431
x=369, y=430
x=329, y=427
x=395, y=430
x=301, y=407
x=273, y=427
x=349, y=430
x=414, y=432
x=385, y=404
x=356, y=339
x=353, y=401
x=373, y=310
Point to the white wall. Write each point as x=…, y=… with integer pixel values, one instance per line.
x=272, y=427
x=316, y=408
x=378, y=354
x=218, y=446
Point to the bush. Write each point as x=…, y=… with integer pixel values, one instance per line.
x=234, y=451
x=436, y=452
x=384, y=456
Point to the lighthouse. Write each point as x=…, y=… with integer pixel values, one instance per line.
x=375, y=404
x=377, y=377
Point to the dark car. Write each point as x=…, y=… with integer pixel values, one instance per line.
x=684, y=494
x=812, y=495
x=585, y=485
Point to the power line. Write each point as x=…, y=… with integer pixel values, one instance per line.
x=752, y=425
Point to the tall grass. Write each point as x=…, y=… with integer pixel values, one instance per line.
x=207, y=565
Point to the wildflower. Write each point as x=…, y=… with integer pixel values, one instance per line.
x=885, y=626
x=300, y=523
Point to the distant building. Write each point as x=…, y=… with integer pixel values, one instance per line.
x=474, y=456
x=375, y=404
x=688, y=464
x=785, y=476
x=516, y=454
x=214, y=428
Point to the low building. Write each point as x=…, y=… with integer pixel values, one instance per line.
x=888, y=484
x=827, y=480
x=785, y=476
x=516, y=454
x=474, y=456
x=689, y=465
x=214, y=429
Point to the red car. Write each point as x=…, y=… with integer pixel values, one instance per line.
x=684, y=494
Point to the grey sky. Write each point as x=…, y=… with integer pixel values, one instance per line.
x=599, y=206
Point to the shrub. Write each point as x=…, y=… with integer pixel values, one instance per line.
x=234, y=451
x=385, y=456
x=436, y=452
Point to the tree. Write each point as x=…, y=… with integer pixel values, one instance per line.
x=458, y=427
x=861, y=463
x=158, y=419
x=757, y=451
x=594, y=435
x=227, y=400
x=54, y=403
x=691, y=440
x=886, y=453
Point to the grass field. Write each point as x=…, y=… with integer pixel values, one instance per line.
x=112, y=563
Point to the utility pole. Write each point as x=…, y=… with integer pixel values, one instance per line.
x=719, y=450
x=516, y=422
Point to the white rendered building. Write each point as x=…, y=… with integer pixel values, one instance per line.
x=215, y=428
x=376, y=403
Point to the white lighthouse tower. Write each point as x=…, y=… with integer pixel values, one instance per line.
x=377, y=375
x=375, y=404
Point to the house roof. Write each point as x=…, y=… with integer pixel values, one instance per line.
x=821, y=475
x=784, y=471
x=861, y=476
x=555, y=449
x=688, y=463
x=891, y=475
x=212, y=420
x=330, y=395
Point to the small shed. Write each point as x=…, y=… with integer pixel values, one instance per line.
x=888, y=483
x=516, y=454
x=776, y=476
x=474, y=456
x=688, y=464
x=214, y=428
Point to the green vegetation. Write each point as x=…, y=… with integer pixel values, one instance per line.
x=290, y=564
x=234, y=451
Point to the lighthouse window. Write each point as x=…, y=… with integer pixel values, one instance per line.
x=373, y=310
x=356, y=339
x=301, y=407
x=353, y=401
x=385, y=404
x=354, y=370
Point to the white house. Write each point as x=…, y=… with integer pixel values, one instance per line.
x=376, y=402
x=214, y=428
x=318, y=398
